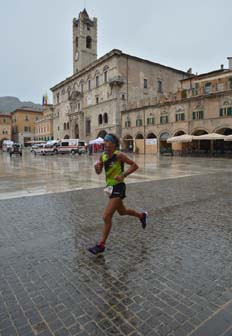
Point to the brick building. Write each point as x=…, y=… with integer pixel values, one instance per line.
x=23, y=124
x=44, y=125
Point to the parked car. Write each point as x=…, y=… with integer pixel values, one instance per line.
x=35, y=147
x=16, y=148
x=45, y=149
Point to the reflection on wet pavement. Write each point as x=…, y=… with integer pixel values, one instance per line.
x=36, y=175
x=172, y=279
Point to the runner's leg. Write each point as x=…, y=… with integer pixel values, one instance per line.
x=110, y=209
x=129, y=212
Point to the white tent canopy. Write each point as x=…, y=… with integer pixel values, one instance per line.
x=228, y=137
x=210, y=136
x=97, y=141
x=181, y=138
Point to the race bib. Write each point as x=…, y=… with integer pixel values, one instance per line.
x=108, y=190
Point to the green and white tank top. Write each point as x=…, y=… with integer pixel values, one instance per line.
x=113, y=167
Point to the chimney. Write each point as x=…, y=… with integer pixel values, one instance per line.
x=222, y=66
x=230, y=62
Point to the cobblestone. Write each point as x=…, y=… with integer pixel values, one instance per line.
x=174, y=278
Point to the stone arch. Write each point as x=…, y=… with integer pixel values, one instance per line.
x=223, y=130
x=164, y=135
x=222, y=146
x=102, y=134
x=106, y=67
x=199, y=131
x=139, y=143
x=151, y=136
x=201, y=145
x=128, y=143
x=66, y=136
x=97, y=73
x=165, y=147
x=179, y=132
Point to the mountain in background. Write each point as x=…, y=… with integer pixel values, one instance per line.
x=9, y=104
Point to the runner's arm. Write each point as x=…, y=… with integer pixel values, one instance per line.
x=132, y=165
x=99, y=165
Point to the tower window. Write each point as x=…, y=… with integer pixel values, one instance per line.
x=76, y=42
x=100, y=119
x=88, y=42
x=105, y=118
x=89, y=84
x=145, y=83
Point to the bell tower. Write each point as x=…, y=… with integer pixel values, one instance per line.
x=84, y=41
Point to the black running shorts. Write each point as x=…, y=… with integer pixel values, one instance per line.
x=119, y=190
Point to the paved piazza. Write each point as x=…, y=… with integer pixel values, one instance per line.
x=174, y=278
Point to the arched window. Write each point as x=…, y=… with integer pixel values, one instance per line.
x=76, y=42
x=105, y=118
x=97, y=80
x=64, y=126
x=100, y=119
x=81, y=86
x=105, y=72
x=88, y=42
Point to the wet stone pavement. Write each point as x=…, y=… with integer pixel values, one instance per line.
x=174, y=278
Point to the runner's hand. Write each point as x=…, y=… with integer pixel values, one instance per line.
x=119, y=177
x=98, y=167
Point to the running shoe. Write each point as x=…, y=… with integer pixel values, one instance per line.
x=143, y=220
x=97, y=249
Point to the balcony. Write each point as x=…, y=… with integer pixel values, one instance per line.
x=116, y=80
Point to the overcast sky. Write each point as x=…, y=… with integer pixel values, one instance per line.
x=36, y=37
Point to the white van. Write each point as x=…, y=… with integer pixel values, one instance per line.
x=71, y=146
x=6, y=145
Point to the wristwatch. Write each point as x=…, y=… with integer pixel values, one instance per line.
x=124, y=175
